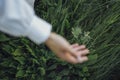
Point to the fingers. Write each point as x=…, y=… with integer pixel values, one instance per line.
x=78, y=48
x=83, y=52
x=75, y=54
x=71, y=59
x=75, y=45
x=82, y=59
x=68, y=57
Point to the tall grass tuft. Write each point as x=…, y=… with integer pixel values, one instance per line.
x=95, y=23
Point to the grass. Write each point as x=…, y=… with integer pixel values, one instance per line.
x=95, y=23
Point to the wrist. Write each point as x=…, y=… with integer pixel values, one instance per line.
x=50, y=38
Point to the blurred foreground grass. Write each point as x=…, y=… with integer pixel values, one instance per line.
x=95, y=23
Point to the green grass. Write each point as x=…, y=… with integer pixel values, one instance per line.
x=95, y=23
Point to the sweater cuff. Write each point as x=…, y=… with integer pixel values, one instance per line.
x=39, y=30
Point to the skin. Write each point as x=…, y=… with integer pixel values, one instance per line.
x=74, y=53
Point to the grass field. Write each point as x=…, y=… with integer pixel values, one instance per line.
x=95, y=23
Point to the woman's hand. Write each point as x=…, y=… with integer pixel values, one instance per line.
x=71, y=53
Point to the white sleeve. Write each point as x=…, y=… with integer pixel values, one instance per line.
x=17, y=18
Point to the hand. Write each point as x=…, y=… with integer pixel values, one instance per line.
x=70, y=53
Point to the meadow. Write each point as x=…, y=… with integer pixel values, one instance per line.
x=95, y=23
